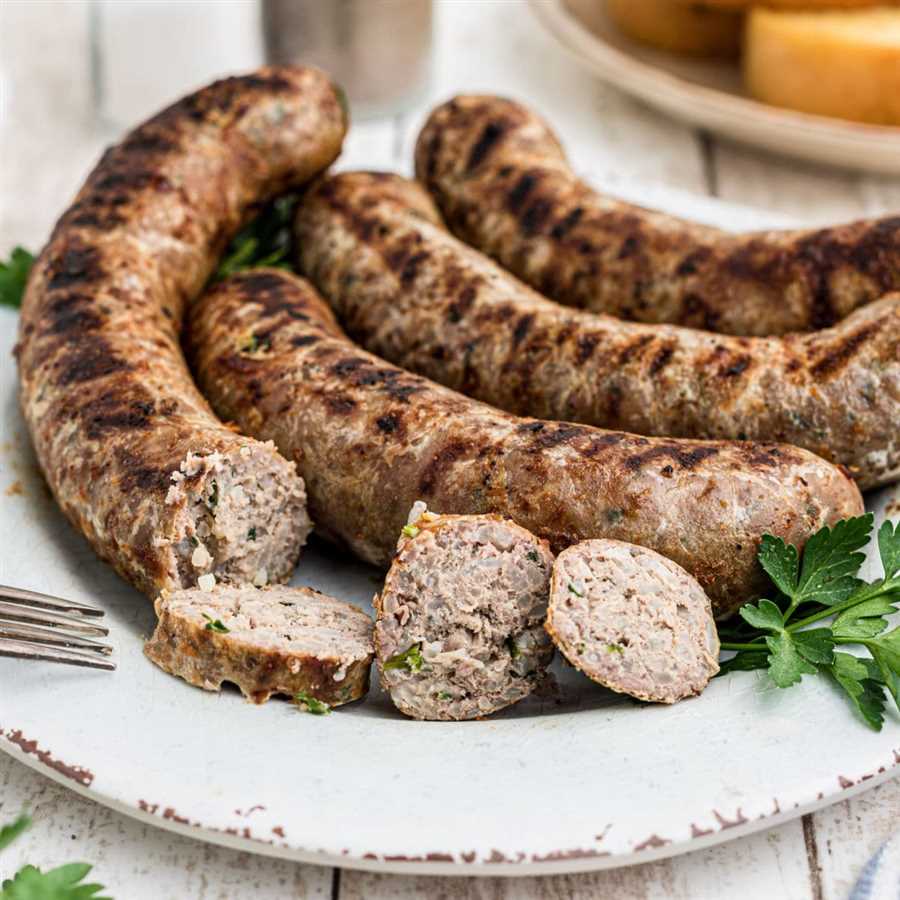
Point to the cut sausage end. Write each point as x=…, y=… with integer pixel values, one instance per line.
x=275, y=640
x=632, y=621
x=239, y=517
x=459, y=622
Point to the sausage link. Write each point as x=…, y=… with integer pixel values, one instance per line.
x=414, y=294
x=131, y=450
x=503, y=184
x=370, y=439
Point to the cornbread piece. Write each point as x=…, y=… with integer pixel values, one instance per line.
x=275, y=640
x=459, y=630
x=632, y=621
x=807, y=5
x=841, y=64
x=693, y=29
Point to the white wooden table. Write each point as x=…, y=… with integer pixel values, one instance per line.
x=49, y=139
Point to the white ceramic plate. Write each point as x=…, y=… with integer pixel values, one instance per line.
x=709, y=94
x=585, y=780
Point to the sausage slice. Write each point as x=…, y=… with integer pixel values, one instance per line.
x=502, y=181
x=459, y=622
x=632, y=621
x=277, y=640
x=131, y=450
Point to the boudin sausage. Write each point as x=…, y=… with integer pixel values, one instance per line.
x=370, y=439
x=412, y=293
x=131, y=450
x=503, y=184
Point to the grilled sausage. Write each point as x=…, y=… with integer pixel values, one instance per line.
x=632, y=621
x=278, y=640
x=414, y=294
x=106, y=393
x=370, y=439
x=459, y=627
x=502, y=182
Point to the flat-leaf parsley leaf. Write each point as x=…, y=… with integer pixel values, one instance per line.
x=822, y=586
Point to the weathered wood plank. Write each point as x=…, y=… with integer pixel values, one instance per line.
x=770, y=864
x=849, y=833
x=814, y=194
x=137, y=861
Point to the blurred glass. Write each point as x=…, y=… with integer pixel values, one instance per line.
x=378, y=51
x=147, y=53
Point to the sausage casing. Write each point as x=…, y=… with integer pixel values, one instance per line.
x=412, y=293
x=370, y=439
x=502, y=182
x=107, y=396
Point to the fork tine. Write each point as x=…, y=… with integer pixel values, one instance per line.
x=25, y=650
x=16, y=612
x=45, y=601
x=51, y=636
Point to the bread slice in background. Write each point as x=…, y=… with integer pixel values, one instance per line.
x=798, y=5
x=692, y=29
x=842, y=64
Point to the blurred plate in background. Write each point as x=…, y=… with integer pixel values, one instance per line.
x=709, y=94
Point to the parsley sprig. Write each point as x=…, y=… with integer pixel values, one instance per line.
x=823, y=584
x=30, y=883
x=310, y=704
x=265, y=241
x=410, y=659
x=14, y=276
x=215, y=624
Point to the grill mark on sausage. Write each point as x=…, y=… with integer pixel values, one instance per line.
x=520, y=191
x=695, y=307
x=391, y=423
x=586, y=345
x=535, y=216
x=341, y=405
x=843, y=352
x=736, y=367
x=629, y=246
x=523, y=326
x=566, y=223
x=686, y=459
x=462, y=304
x=74, y=312
x=633, y=347
x=692, y=261
x=545, y=435
x=77, y=265
x=492, y=133
x=411, y=267
x=448, y=454
x=108, y=414
x=88, y=359
x=662, y=358
x=139, y=476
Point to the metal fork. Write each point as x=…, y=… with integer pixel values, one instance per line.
x=37, y=626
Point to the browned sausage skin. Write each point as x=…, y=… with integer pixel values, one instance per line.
x=110, y=404
x=370, y=439
x=414, y=294
x=502, y=182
